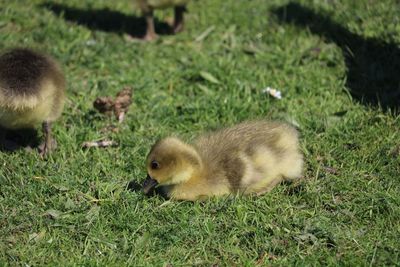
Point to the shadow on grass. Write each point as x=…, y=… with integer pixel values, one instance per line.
x=134, y=186
x=372, y=65
x=106, y=20
x=19, y=139
x=156, y=192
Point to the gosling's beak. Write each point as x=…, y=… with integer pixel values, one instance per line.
x=149, y=185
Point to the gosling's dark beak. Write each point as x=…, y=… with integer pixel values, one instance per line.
x=149, y=185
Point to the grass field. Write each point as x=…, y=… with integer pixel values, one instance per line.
x=337, y=64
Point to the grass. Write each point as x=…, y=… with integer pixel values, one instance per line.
x=332, y=60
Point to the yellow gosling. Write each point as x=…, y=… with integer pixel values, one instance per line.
x=32, y=92
x=249, y=158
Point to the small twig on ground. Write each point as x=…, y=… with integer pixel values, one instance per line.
x=102, y=143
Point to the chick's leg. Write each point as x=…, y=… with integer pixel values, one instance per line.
x=49, y=143
x=150, y=29
x=178, y=20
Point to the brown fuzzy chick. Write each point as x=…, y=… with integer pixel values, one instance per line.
x=147, y=7
x=249, y=158
x=32, y=92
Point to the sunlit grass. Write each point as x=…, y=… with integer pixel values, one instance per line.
x=73, y=208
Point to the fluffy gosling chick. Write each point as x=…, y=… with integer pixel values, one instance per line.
x=147, y=7
x=32, y=92
x=249, y=158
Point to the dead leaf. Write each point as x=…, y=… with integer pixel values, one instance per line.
x=122, y=103
x=119, y=106
x=36, y=236
x=104, y=104
x=54, y=214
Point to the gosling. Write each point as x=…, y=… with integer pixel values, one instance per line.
x=32, y=92
x=249, y=158
x=147, y=7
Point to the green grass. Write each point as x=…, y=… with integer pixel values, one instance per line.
x=74, y=209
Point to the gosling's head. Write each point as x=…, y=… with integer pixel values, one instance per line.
x=170, y=162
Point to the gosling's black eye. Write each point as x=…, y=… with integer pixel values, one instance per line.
x=155, y=164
